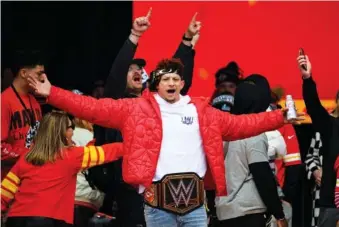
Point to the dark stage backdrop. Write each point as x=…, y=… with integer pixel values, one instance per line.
x=79, y=39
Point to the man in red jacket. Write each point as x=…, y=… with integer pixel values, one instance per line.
x=170, y=141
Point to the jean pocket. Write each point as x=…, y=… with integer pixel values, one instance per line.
x=149, y=210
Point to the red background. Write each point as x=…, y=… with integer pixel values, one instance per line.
x=263, y=37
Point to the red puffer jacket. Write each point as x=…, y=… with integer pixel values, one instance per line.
x=139, y=120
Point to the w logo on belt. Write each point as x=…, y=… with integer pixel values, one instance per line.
x=187, y=120
x=181, y=192
x=178, y=193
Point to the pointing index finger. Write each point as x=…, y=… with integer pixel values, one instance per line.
x=193, y=18
x=149, y=13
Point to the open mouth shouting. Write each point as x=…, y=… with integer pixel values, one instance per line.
x=171, y=91
x=137, y=79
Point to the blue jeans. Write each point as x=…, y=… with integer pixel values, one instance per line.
x=160, y=218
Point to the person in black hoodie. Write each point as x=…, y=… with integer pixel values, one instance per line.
x=328, y=127
x=130, y=203
x=251, y=185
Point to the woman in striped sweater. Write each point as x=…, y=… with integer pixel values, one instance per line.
x=39, y=190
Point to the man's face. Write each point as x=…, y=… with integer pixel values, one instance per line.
x=134, y=78
x=170, y=86
x=35, y=72
x=227, y=86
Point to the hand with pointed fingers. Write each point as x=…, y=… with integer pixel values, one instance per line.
x=40, y=88
x=141, y=24
x=193, y=28
x=303, y=60
x=297, y=121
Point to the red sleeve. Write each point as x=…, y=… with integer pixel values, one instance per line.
x=91, y=143
x=104, y=112
x=292, y=145
x=236, y=127
x=209, y=183
x=7, y=150
x=336, y=200
x=89, y=156
x=9, y=186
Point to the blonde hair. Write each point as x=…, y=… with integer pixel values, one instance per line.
x=83, y=124
x=50, y=139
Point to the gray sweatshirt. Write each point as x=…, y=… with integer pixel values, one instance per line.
x=243, y=197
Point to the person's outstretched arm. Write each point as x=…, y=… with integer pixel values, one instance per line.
x=82, y=158
x=104, y=112
x=236, y=127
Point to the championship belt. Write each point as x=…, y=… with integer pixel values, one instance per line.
x=178, y=193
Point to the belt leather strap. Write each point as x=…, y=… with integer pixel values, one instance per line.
x=176, y=193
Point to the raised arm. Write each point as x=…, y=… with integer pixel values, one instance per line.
x=320, y=117
x=236, y=127
x=104, y=112
x=117, y=79
x=186, y=53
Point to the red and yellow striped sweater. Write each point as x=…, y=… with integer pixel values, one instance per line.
x=48, y=190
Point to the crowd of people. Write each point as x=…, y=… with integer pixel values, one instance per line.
x=141, y=152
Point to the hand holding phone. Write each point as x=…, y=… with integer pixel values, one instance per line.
x=302, y=53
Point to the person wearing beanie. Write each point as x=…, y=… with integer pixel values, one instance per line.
x=227, y=78
x=251, y=185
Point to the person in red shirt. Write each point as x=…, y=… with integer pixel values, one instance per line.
x=20, y=111
x=292, y=158
x=40, y=188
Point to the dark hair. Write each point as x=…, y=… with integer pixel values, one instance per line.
x=25, y=59
x=163, y=67
x=231, y=73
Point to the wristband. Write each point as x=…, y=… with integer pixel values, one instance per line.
x=187, y=39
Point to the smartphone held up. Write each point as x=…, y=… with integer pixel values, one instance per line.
x=302, y=53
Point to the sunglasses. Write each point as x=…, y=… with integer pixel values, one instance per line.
x=72, y=126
